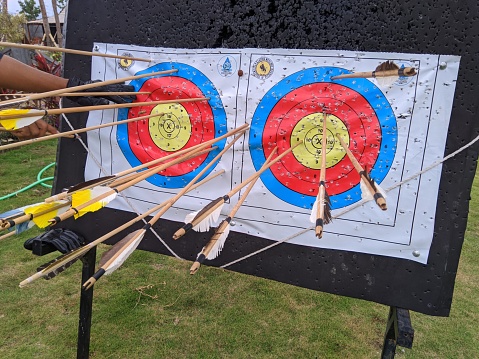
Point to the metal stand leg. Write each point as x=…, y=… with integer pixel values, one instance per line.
x=399, y=331
x=86, y=301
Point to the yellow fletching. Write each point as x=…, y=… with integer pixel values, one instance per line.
x=17, y=123
x=81, y=197
x=42, y=220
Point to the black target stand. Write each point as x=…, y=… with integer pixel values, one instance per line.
x=86, y=303
x=399, y=331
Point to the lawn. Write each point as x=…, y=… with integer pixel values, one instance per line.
x=153, y=308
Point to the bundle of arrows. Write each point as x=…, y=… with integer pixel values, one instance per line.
x=89, y=196
x=116, y=183
x=215, y=245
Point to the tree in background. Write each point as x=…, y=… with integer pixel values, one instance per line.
x=11, y=27
x=30, y=9
x=57, y=22
x=4, y=7
x=61, y=4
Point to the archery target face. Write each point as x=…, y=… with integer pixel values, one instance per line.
x=174, y=126
x=294, y=110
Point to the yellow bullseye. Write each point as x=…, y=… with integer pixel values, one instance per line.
x=310, y=130
x=171, y=129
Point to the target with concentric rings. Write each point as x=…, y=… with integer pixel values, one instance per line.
x=175, y=126
x=294, y=110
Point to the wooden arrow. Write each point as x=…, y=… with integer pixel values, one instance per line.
x=82, y=94
x=215, y=244
x=215, y=206
x=15, y=114
x=386, y=69
x=135, y=239
x=368, y=184
x=83, y=87
x=38, y=213
x=70, y=51
x=321, y=212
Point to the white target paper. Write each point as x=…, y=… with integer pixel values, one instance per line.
x=395, y=130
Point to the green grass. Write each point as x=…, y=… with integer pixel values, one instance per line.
x=153, y=308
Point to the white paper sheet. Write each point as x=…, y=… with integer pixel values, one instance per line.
x=395, y=131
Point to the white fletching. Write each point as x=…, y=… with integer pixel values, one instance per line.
x=366, y=194
x=190, y=216
x=218, y=247
x=125, y=254
x=207, y=222
x=314, y=211
x=99, y=190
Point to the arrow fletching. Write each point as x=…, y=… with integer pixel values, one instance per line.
x=83, y=196
x=59, y=264
x=118, y=258
x=107, y=255
x=13, y=124
x=214, y=246
x=220, y=238
x=370, y=190
x=57, y=269
x=204, y=225
x=204, y=219
x=124, y=252
x=42, y=212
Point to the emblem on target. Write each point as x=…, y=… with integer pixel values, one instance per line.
x=125, y=64
x=226, y=66
x=263, y=68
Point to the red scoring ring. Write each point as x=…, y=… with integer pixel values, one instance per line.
x=360, y=120
x=201, y=118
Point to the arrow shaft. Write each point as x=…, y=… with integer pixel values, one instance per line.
x=196, y=178
x=84, y=87
x=70, y=51
x=353, y=159
x=9, y=234
x=226, y=222
x=261, y=170
x=98, y=108
x=320, y=209
x=72, y=211
x=80, y=94
x=134, y=169
x=379, y=199
x=250, y=187
x=407, y=71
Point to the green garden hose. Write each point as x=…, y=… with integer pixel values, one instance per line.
x=40, y=181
